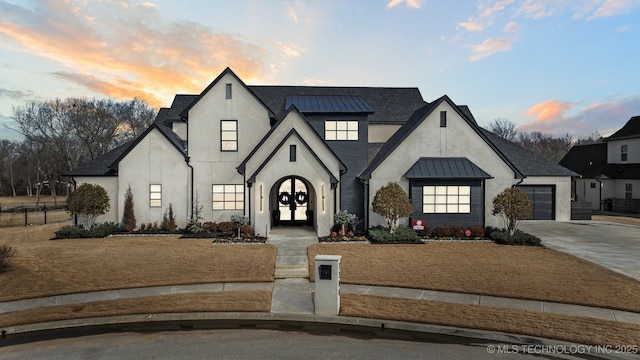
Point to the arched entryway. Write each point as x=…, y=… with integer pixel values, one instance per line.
x=292, y=202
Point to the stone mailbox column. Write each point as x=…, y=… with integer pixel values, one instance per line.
x=327, y=295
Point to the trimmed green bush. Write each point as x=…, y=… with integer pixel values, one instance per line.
x=402, y=234
x=97, y=231
x=518, y=238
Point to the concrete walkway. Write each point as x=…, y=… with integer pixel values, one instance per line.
x=292, y=291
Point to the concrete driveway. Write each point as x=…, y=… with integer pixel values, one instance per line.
x=612, y=245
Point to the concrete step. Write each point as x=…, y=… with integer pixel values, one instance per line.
x=286, y=272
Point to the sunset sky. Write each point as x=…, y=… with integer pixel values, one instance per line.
x=555, y=66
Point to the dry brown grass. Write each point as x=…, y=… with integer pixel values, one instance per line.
x=8, y=200
x=228, y=301
x=44, y=268
x=562, y=327
x=521, y=272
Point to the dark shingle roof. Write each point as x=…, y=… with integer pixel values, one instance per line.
x=392, y=105
x=329, y=104
x=590, y=161
x=587, y=160
x=107, y=164
x=103, y=165
x=527, y=162
x=445, y=168
x=630, y=130
x=180, y=102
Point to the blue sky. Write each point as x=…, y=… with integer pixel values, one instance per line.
x=556, y=66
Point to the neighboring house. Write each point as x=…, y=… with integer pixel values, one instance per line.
x=298, y=154
x=609, y=171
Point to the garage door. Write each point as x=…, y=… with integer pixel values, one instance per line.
x=543, y=200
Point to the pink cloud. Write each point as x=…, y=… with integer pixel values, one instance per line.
x=614, y=7
x=123, y=49
x=490, y=47
x=562, y=117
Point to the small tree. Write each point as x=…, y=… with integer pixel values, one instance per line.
x=128, y=218
x=392, y=203
x=513, y=205
x=343, y=218
x=169, y=220
x=88, y=202
x=195, y=221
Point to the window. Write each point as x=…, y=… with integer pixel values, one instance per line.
x=446, y=199
x=228, y=197
x=229, y=135
x=593, y=185
x=623, y=152
x=443, y=119
x=228, y=91
x=292, y=153
x=340, y=130
x=155, y=195
x=628, y=191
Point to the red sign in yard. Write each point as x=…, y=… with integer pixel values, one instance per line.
x=418, y=224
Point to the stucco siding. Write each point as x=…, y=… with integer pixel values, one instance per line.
x=154, y=161
x=379, y=133
x=457, y=139
x=614, y=151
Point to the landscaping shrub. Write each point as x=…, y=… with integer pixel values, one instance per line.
x=226, y=227
x=457, y=232
x=426, y=232
x=169, y=220
x=441, y=232
x=97, y=231
x=210, y=227
x=129, y=217
x=476, y=231
x=402, y=234
x=518, y=238
x=246, y=231
x=6, y=254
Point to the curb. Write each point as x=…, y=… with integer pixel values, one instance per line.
x=394, y=330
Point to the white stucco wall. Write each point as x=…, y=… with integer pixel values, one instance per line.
x=110, y=184
x=211, y=165
x=305, y=166
x=154, y=160
x=379, y=133
x=457, y=139
x=584, y=192
x=633, y=151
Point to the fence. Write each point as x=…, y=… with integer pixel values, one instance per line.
x=31, y=214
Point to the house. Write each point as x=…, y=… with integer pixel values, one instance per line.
x=285, y=155
x=609, y=171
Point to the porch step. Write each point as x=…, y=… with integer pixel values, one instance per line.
x=287, y=272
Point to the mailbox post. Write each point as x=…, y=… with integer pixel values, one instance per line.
x=327, y=294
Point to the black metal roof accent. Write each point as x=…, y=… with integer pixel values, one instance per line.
x=392, y=105
x=630, y=130
x=445, y=168
x=329, y=104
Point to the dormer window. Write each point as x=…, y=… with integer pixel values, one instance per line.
x=624, y=149
x=228, y=91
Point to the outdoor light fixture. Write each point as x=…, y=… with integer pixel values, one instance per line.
x=322, y=187
x=260, y=198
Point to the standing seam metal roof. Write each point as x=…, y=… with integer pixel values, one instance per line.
x=445, y=168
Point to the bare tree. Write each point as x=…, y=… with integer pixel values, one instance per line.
x=504, y=128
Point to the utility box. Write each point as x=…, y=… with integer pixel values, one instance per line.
x=327, y=294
